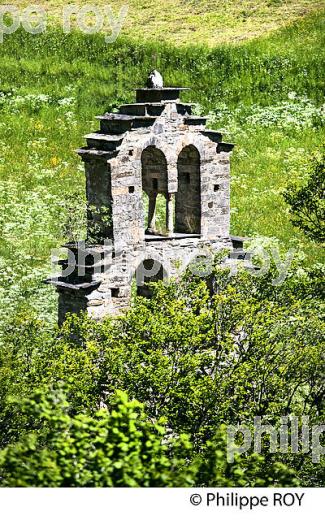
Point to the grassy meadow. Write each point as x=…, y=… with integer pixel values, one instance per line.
x=182, y=22
x=266, y=95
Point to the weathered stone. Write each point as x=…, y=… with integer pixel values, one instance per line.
x=153, y=147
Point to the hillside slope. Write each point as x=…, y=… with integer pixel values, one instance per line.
x=265, y=95
x=192, y=21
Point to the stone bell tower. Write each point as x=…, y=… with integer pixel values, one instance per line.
x=149, y=151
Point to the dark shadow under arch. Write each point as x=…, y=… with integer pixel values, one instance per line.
x=149, y=270
x=154, y=183
x=188, y=196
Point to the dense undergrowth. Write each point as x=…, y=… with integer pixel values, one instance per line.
x=202, y=355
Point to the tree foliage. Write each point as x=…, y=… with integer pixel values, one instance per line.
x=199, y=355
x=120, y=446
x=307, y=203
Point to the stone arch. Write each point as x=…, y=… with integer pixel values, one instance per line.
x=188, y=196
x=149, y=270
x=154, y=183
x=154, y=170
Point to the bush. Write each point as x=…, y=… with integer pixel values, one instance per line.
x=199, y=355
x=307, y=203
x=120, y=447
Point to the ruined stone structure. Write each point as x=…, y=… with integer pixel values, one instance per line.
x=152, y=149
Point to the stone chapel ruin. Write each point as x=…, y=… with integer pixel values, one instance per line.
x=150, y=150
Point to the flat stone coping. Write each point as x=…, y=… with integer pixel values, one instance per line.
x=174, y=236
x=86, y=286
x=234, y=237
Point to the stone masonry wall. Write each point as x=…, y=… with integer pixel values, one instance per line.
x=155, y=146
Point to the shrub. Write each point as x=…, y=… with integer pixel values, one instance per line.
x=307, y=203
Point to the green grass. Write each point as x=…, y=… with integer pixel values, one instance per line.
x=244, y=88
x=194, y=21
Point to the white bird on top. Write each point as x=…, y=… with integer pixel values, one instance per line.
x=155, y=80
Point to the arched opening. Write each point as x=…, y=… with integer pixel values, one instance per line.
x=188, y=196
x=155, y=187
x=158, y=222
x=149, y=270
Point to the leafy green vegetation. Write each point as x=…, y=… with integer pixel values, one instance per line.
x=121, y=447
x=307, y=203
x=200, y=354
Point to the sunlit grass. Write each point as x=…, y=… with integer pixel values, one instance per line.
x=262, y=168
x=54, y=85
x=191, y=21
